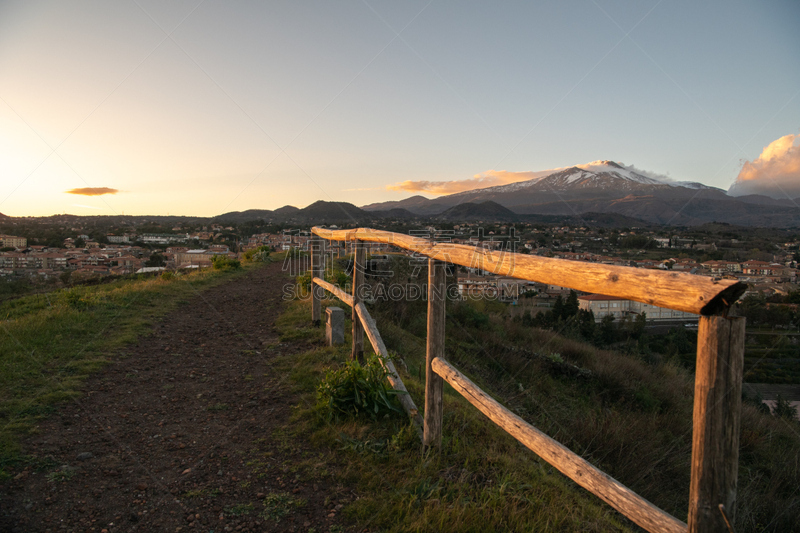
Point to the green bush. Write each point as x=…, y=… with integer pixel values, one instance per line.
x=258, y=255
x=221, y=262
x=358, y=390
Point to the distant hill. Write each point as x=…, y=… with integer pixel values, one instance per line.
x=286, y=210
x=244, y=216
x=321, y=212
x=489, y=211
x=325, y=212
x=408, y=203
x=394, y=214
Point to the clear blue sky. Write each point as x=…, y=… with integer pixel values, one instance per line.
x=199, y=108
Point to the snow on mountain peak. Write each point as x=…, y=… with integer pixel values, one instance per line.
x=602, y=174
x=621, y=171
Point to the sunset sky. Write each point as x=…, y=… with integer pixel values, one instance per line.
x=204, y=107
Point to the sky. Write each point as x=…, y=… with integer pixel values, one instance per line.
x=204, y=107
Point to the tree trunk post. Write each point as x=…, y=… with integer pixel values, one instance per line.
x=359, y=263
x=432, y=430
x=317, y=271
x=716, y=420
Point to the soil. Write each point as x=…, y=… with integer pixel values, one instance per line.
x=165, y=437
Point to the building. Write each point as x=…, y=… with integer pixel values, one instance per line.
x=162, y=238
x=193, y=258
x=620, y=308
x=9, y=241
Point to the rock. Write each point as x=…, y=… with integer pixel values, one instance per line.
x=84, y=456
x=141, y=487
x=186, y=471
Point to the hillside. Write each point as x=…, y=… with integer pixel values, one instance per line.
x=214, y=388
x=320, y=212
x=489, y=211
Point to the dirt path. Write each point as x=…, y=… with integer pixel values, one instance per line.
x=166, y=437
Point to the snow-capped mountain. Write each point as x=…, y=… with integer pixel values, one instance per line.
x=610, y=187
x=597, y=174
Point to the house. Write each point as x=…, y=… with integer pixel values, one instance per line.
x=194, y=258
x=602, y=306
x=10, y=241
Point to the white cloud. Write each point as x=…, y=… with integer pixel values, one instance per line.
x=490, y=178
x=775, y=173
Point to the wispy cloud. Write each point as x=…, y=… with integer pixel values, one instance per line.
x=490, y=178
x=776, y=172
x=92, y=191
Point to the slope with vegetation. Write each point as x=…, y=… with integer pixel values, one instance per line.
x=630, y=414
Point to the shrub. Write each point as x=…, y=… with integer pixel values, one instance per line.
x=358, y=390
x=221, y=262
x=257, y=255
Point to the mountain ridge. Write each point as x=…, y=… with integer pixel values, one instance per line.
x=605, y=186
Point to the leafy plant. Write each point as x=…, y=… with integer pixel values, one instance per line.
x=62, y=474
x=222, y=262
x=258, y=255
x=279, y=504
x=358, y=390
x=239, y=509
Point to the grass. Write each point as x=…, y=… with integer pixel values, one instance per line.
x=483, y=480
x=50, y=343
x=630, y=416
x=279, y=504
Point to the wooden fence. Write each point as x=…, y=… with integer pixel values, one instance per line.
x=718, y=378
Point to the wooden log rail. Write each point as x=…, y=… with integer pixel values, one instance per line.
x=371, y=329
x=336, y=291
x=674, y=290
x=720, y=357
x=617, y=495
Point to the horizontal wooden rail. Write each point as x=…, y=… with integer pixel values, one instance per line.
x=673, y=290
x=378, y=345
x=371, y=329
x=336, y=291
x=620, y=497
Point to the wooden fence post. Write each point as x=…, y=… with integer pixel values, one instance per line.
x=432, y=431
x=359, y=262
x=716, y=421
x=317, y=271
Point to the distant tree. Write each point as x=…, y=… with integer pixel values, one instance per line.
x=79, y=243
x=65, y=277
x=784, y=409
x=639, y=325
x=570, y=306
x=586, y=324
x=156, y=260
x=607, y=330
x=558, y=308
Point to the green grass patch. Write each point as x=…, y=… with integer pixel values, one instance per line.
x=279, y=504
x=49, y=343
